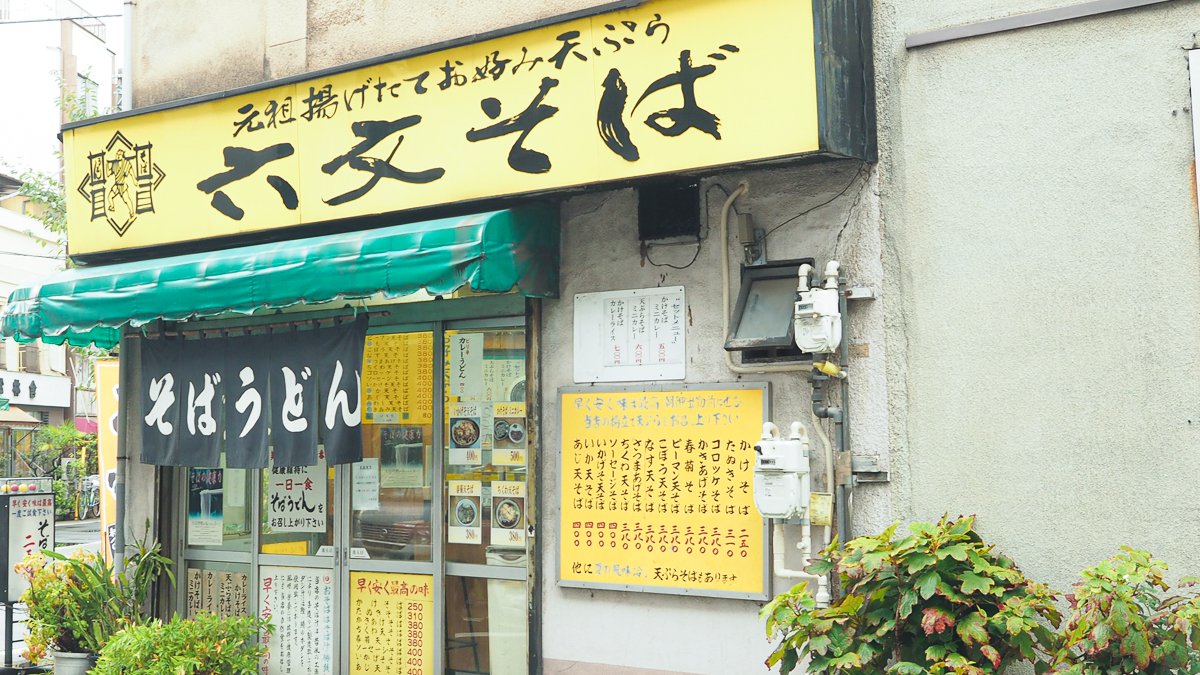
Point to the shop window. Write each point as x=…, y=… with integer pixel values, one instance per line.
x=391, y=509
x=31, y=361
x=487, y=436
x=218, y=588
x=414, y=559
x=85, y=92
x=487, y=626
x=218, y=509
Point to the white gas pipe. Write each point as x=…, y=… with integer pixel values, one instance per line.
x=778, y=545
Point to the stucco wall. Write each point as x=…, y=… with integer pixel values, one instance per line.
x=1043, y=280
x=601, y=252
x=175, y=55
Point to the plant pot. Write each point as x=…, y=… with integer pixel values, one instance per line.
x=67, y=663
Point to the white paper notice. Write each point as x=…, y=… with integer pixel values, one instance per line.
x=626, y=336
x=366, y=485
x=466, y=365
x=299, y=602
x=466, y=515
x=296, y=497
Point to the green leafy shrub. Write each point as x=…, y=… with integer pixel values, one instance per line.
x=1121, y=623
x=76, y=604
x=938, y=601
x=206, y=645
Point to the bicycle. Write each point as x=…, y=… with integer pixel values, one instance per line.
x=87, y=499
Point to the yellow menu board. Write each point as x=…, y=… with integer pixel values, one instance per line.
x=657, y=490
x=391, y=623
x=398, y=378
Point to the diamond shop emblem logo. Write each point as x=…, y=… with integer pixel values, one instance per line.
x=120, y=183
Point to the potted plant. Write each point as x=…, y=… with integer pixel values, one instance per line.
x=206, y=645
x=937, y=602
x=1122, y=623
x=76, y=604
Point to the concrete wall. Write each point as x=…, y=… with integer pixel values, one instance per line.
x=175, y=55
x=1043, y=280
x=600, y=251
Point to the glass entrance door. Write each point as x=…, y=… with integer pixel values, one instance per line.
x=414, y=561
x=393, y=560
x=487, y=499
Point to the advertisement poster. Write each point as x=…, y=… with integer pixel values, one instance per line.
x=299, y=602
x=465, y=512
x=366, y=485
x=195, y=592
x=658, y=490
x=30, y=529
x=508, y=514
x=402, y=457
x=508, y=434
x=296, y=497
x=397, y=379
x=504, y=379
x=205, y=505
x=465, y=436
x=465, y=366
x=391, y=623
x=107, y=379
x=223, y=593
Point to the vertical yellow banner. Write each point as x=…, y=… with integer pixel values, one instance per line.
x=107, y=377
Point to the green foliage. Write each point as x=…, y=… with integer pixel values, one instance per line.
x=52, y=443
x=77, y=604
x=207, y=644
x=1121, y=623
x=937, y=602
x=45, y=191
x=64, y=497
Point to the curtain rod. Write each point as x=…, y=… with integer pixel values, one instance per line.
x=246, y=329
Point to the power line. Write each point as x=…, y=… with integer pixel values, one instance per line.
x=65, y=18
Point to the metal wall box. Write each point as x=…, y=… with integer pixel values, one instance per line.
x=762, y=325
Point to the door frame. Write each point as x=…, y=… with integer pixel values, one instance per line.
x=507, y=311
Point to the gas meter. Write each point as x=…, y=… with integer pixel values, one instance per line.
x=781, y=481
x=818, y=319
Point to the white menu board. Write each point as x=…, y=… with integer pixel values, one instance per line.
x=299, y=603
x=631, y=336
x=296, y=497
x=30, y=529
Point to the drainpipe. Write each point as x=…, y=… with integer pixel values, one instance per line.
x=127, y=56
x=819, y=378
x=125, y=389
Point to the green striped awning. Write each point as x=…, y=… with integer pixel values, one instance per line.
x=489, y=252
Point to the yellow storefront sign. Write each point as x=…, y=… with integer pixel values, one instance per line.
x=669, y=86
x=657, y=491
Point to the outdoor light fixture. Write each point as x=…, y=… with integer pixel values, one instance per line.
x=762, y=325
